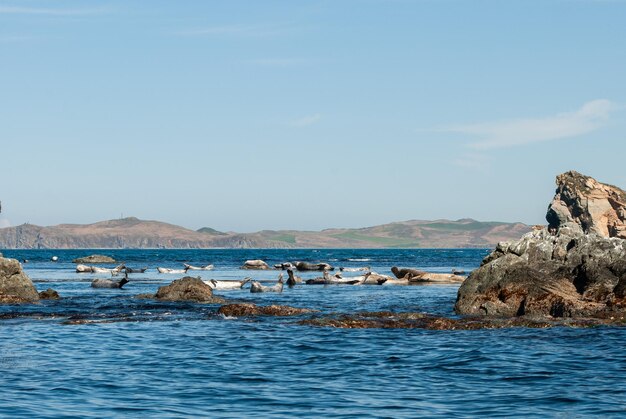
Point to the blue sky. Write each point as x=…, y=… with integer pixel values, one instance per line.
x=248, y=115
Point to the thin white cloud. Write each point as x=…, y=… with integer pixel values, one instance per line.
x=8, y=39
x=277, y=62
x=590, y=117
x=15, y=10
x=4, y=223
x=238, y=30
x=306, y=121
x=472, y=161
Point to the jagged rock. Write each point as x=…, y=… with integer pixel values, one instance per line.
x=248, y=309
x=49, y=294
x=570, y=269
x=94, y=259
x=188, y=289
x=256, y=264
x=15, y=285
x=597, y=207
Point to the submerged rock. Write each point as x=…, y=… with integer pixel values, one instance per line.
x=49, y=294
x=188, y=289
x=94, y=259
x=574, y=268
x=248, y=309
x=389, y=320
x=15, y=285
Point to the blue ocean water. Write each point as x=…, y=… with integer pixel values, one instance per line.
x=141, y=358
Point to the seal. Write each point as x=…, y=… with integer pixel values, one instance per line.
x=227, y=285
x=257, y=264
x=257, y=287
x=108, y=283
x=336, y=279
x=171, y=271
x=307, y=266
x=293, y=279
x=136, y=270
x=363, y=269
x=284, y=266
x=198, y=268
x=401, y=273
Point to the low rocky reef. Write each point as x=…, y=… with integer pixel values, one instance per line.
x=249, y=309
x=573, y=268
x=390, y=320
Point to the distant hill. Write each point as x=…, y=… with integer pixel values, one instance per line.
x=212, y=231
x=134, y=233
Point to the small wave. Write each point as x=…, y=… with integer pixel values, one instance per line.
x=225, y=317
x=359, y=259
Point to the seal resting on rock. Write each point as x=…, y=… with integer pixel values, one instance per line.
x=108, y=283
x=256, y=264
x=257, y=287
x=285, y=266
x=198, y=268
x=328, y=279
x=307, y=266
x=135, y=270
x=401, y=273
x=171, y=271
x=227, y=285
x=363, y=269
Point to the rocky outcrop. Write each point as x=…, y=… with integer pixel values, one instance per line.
x=188, y=289
x=15, y=286
x=248, y=309
x=573, y=268
x=597, y=207
x=94, y=259
x=49, y=294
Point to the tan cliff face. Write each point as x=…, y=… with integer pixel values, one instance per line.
x=597, y=207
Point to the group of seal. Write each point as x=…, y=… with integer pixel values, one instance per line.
x=403, y=276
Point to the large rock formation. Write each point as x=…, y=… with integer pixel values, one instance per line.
x=15, y=286
x=576, y=267
x=597, y=207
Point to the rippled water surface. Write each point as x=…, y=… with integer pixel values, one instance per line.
x=143, y=358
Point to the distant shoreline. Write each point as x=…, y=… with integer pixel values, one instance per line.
x=133, y=233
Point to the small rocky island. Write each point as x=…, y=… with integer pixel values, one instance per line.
x=575, y=267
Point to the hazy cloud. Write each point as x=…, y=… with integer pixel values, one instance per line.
x=590, y=117
x=4, y=223
x=7, y=39
x=306, y=121
x=277, y=62
x=15, y=10
x=239, y=30
x=473, y=161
